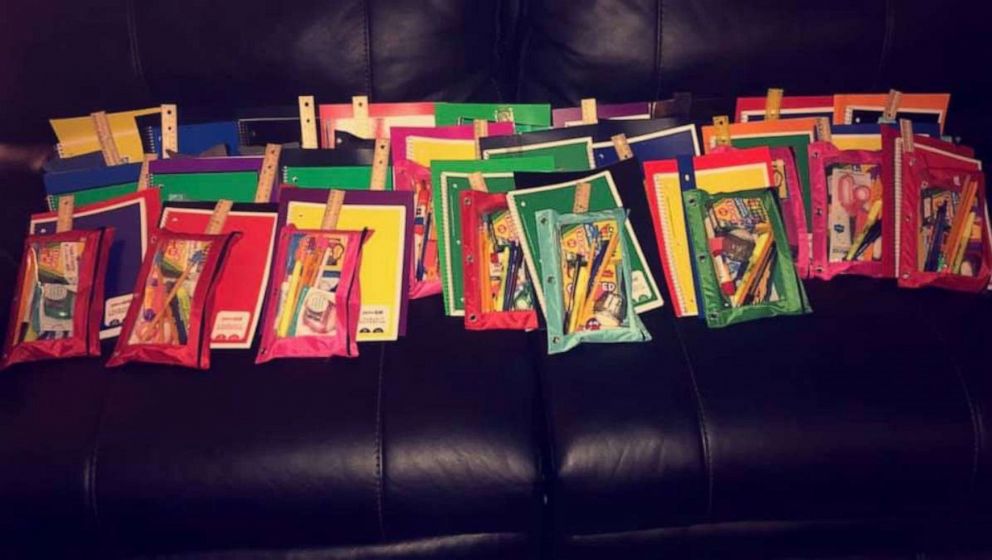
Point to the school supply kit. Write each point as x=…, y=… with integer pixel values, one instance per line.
x=303, y=231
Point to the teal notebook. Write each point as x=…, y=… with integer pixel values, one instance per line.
x=448, y=180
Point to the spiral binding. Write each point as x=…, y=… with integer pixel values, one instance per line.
x=666, y=231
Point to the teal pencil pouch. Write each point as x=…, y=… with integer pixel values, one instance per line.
x=587, y=279
x=742, y=258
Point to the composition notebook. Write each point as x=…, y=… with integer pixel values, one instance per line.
x=609, y=188
x=324, y=169
x=386, y=258
x=132, y=217
x=206, y=179
x=77, y=135
x=751, y=109
x=714, y=173
x=448, y=180
x=525, y=117
x=242, y=284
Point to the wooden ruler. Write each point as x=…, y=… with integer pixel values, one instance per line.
x=380, y=165
x=906, y=132
x=67, y=205
x=892, y=105
x=335, y=199
x=773, y=104
x=308, y=123
x=360, y=113
x=823, y=131
x=480, y=129
x=267, y=175
x=580, y=204
x=218, y=217
x=106, y=138
x=622, y=147
x=721, y=125
x=170, y=130
x=589, y=115
x=144, y=180
x=477, y=182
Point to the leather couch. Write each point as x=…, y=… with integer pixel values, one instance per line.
x=859, y=430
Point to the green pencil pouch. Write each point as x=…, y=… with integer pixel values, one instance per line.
x=526, y=117
x=587, y=279
x=743, y=264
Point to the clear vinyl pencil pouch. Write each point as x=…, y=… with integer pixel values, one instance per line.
x=315, y=297
x=497, y=287
x=587, y=283
x=172, y=311
x=743, y=263
x=58, y=304
x=848, y=214
x=945, y=217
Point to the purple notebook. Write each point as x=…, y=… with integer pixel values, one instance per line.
x=572, y=116
x=385, y=273
x=205, y=165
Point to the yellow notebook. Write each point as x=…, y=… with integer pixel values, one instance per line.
x=422, y=150
x=77, y=135
x=382, y=284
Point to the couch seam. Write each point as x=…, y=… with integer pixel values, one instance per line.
x=132, y=32
x=703, y=432
x=378, y=445
x=657, y=51
x=93, y=462
x=367, y=46
x=887, y=38
x=528, y=28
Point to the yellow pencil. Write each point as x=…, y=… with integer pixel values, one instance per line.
x=287, y=314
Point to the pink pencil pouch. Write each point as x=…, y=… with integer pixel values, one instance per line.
x=847, y=196
x=790, y=196
x=314, y=299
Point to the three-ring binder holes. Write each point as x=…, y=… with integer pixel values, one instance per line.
x=473, y=318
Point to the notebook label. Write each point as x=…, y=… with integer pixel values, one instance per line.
x=231, y=325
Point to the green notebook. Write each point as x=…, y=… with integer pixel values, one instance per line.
x=89, y=196
x=603, y=195
x=573, y=154
x=525, y=117
x=799, y=143
x=237, y=186
x=449, y=179
x=353, y=177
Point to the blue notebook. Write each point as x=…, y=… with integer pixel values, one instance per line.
x=195, y=138
x=663, y=144
x=63, y=182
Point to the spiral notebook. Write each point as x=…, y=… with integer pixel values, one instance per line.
x=386, y=257
x=349, y=169
x=193, y=138
x=242, y=284
x=752, y=109
x=77, y=135
x=340, y=117
x=91, y=185
x=868, y=108
x=206, y=179
x=526, y=117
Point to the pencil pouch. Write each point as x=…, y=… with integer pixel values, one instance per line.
x=315, y=296
x=172, y=308
x=947, y=210
x=848, y=211
x=59, y=299
x=743, y=266
x=425, y=279
x=497, y=288
x=587, y=279
x=790, y=197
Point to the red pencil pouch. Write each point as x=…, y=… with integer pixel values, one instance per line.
x=315, y=296
x=425, y=276
x=946, y=208
x=498, y=291
x=790, y=196
x=847, y=196
x=59, y=300
x=172, y=307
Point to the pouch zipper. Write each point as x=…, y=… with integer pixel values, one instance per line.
x=96, y=267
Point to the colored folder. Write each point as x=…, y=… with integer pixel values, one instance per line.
x=448, y=179
x=384, y=276
x=868, y=108
x=242, y=284
x=324, y=169
x=133, y=217
x=752, y=109
x=339, y=117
